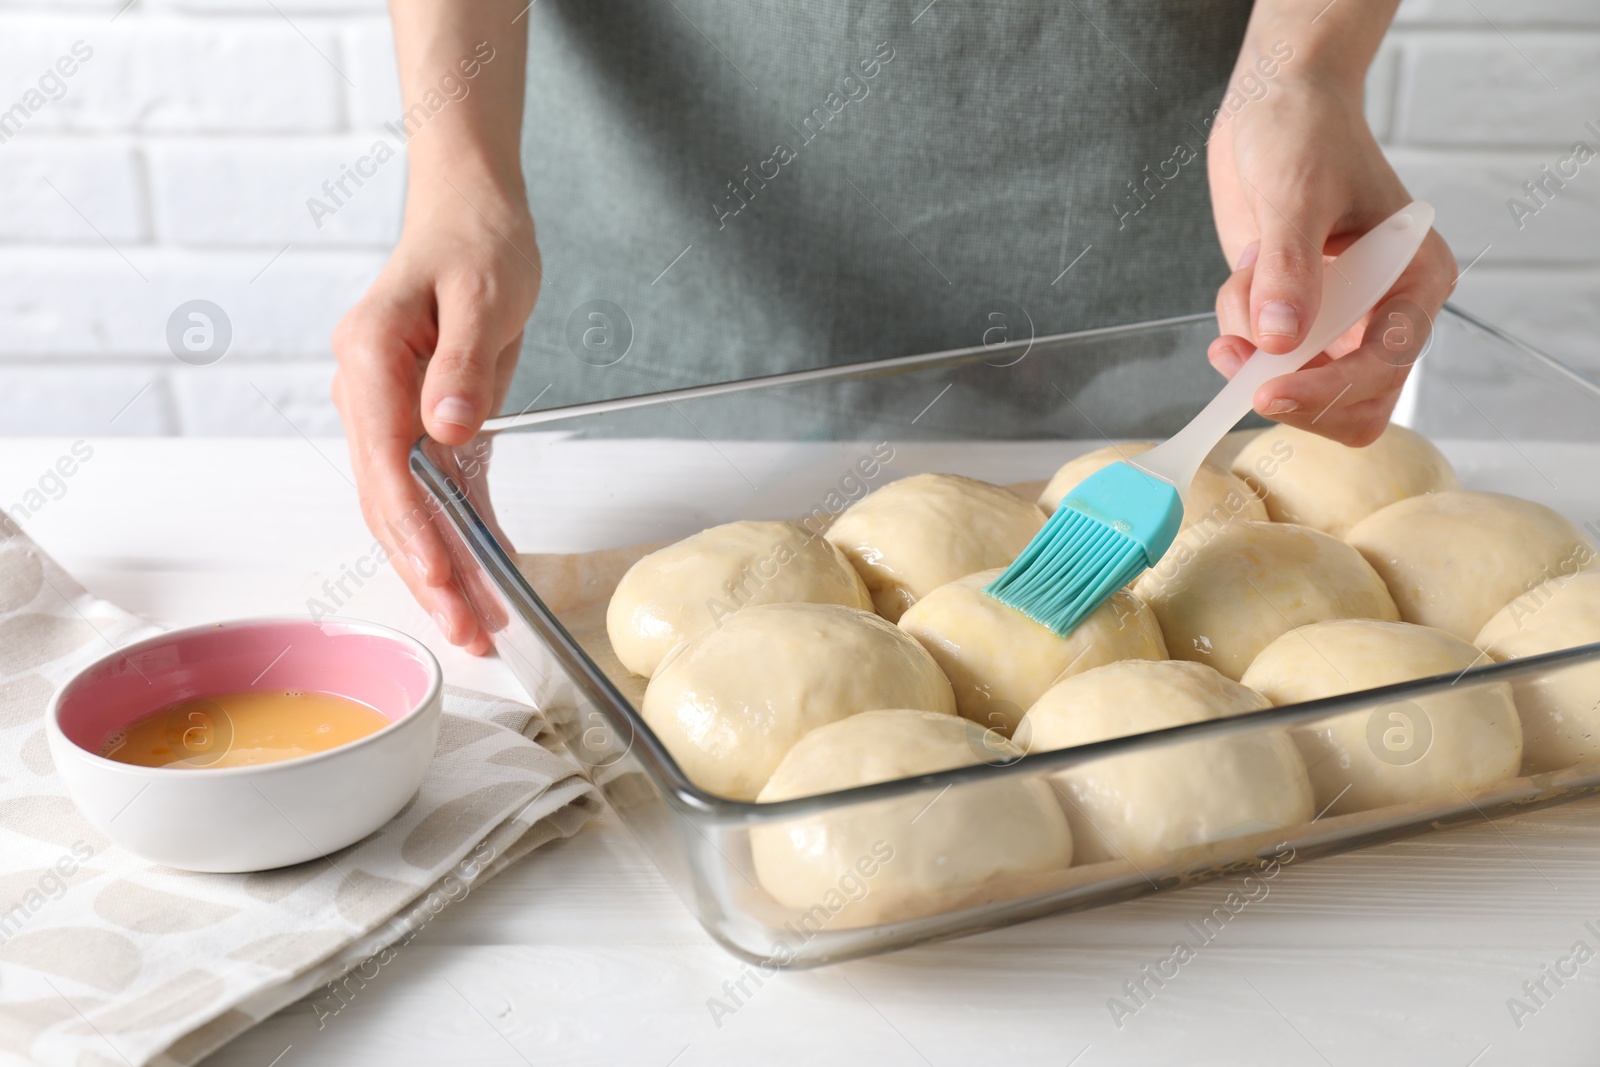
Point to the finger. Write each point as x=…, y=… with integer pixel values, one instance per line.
x=1394, y=338
x=476, y=324
x=1232, y=347
x=1356, y=425
x=505, y=371
x=420, y=558
x=1233, y=297
x=456, y=620
x=462, y=625
x=444, y=603
x=380, y=377
x=1228, y=353
x=377, y=349
x=437, y=590
x=1286, y=287
x=395, y=511
x=481, y=645
x=1349, y=398
x=1308, y=397
x=450, y=612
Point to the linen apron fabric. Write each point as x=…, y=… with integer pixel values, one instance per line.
x=106, y=959
x=723, y=190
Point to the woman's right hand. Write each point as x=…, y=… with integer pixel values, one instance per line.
x=431, y=348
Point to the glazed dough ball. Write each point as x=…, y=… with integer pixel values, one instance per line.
x=1310, y=480
x=730, y=703
x=1000, y=661
x=1144, y=804
x=1399, y=751
x=916, y=534
x=1560, y=708
x=683, y=590
x=1214, y=494
x=1223, y=592
x=1453, y=559
x=913, y=853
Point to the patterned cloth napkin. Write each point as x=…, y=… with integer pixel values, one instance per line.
x=108, y=960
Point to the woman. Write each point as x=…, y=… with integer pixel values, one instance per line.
x=726, y=190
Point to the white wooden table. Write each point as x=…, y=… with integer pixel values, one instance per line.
x=1401, y=954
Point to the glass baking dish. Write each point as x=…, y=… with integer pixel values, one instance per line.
x=579, y=492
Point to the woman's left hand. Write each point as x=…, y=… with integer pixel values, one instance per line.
x=1296, y=176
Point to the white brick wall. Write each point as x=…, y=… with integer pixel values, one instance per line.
x=176, y=166
x=1488, y=92
x=177, y=162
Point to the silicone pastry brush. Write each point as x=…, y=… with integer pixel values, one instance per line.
x=1121, y=520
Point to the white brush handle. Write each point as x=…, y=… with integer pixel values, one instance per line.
x=1351, y=286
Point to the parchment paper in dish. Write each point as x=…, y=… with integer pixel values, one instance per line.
x=577, y=587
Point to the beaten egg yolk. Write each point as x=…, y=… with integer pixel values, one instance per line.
x=242, y=729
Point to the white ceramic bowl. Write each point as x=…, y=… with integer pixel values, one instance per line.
x=268, y=815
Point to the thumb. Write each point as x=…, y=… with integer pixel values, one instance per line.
x=458, y=392
x=1286, y=288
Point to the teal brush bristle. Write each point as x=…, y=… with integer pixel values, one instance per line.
x=1114, y=525
x=1069, y=568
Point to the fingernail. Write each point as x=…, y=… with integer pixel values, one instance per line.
x=453, y=409
x=1247, y=258
x=1283, y=406
x=418, y=566
x=442, y=623
x=1276, y=317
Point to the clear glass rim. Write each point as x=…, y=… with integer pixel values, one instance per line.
x=873, y=368
x=664, y=769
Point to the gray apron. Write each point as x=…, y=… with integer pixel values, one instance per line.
x=723, y=190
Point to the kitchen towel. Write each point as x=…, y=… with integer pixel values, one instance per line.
x=109, y=961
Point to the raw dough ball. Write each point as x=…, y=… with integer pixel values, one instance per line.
x=1403, y=750
x=685, y=589
x=1223, y=592
x=1330, y=487
x=912, y=854
x=730, y=703
x=1561, y=708
x=1000, y=661
x=1143, y=804
x=916, y=534
x=1453, y=559
x=1214, y=494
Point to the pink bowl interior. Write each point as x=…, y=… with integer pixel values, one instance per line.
x=328, y=657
